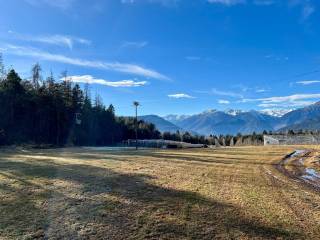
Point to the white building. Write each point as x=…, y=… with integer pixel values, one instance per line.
x=297, y=139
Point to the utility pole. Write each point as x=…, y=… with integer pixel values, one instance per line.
x=136, y=104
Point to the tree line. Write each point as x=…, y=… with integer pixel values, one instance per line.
x=47, y=111
x=219, y=140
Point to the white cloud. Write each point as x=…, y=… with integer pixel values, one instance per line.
x=162, y=2
x=277, y=58
x=61, y=4
x=91, y=80
x=290, y=98
x=112, y=66
x=221, y=101
x=295, y=100
x=134, y=44
x=225, y=93
x=227, y=2
x=180, y=95
x=308, y=82
x=59, y=40
x=286, y=104
x=260, y=90
x=223, y=2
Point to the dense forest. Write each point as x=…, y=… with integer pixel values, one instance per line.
x=46, y=111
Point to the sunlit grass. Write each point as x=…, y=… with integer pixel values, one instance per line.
x=222, y=193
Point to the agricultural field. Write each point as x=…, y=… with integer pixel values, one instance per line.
x=225, y=193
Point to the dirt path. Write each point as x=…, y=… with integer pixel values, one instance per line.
x=288, y=180
x=298, y=166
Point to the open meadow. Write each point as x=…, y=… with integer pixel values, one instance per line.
x=92, y=193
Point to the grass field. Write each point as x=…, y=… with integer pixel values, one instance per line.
x=231, y=193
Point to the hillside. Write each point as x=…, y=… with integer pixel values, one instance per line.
x=298, y=116
x=309, y=124
x=161, y=124
x=237, y=121
x=230, y=122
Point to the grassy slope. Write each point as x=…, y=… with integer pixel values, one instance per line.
x=184, y=194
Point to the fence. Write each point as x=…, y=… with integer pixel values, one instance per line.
x=297, y=139
x=160, y=143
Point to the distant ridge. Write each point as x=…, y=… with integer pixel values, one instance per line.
x=161, y=124
x=227, y=122
x=307, y=118
x=233, y=121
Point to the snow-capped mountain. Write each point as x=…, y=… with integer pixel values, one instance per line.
x=276, y=112
x=233, y=112
x=234, y=121
x=228, y=122
x=175, y=118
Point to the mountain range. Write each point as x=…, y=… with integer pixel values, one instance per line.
x=237, y=121
x=162, y=124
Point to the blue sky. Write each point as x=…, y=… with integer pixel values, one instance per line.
x=174, y=56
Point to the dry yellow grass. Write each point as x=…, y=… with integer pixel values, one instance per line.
x=231, y=193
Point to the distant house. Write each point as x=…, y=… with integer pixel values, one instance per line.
x=286, y=139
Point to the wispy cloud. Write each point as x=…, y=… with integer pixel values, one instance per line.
x=227, y=2
x=276, y=57
x=57, y=39
x=286, y=104
x=260, y=90
x=215, y=91
x=221, y=2
x=127, y=44
x=308, y=82
x=111, y=66
x=263, y=2
x=222, y=101
x=60, y=4
x=180, y=95
x=91, y=80
x=162, y=2
x=307, y=11
x=193, y=58
x=295, y=100
x=306, y=6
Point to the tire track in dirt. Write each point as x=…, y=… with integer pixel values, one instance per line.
x=293, y=166
x=279, y=187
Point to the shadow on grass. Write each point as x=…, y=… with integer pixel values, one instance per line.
x=104, y=204
x=241, y=160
